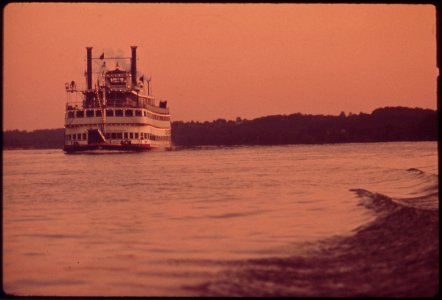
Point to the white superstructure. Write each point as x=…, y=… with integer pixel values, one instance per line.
x=117, y=114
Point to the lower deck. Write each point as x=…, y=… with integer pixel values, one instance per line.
x=117, y=137
x=120, y=138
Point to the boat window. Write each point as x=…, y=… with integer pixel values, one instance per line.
x=107, y=135
x=84, y=136
x=74, y=137
x=138, y=113
x=89, y=113
x=113, y=135
x=126, y=135
x=118, y=112
x=136, y=135
x=119, y=135
x=98, y=113
x=80, y=113
x=109, y=113
x=145, y=113
x=71, y=114
x=131, y=135
x=79, y=136
x=129, y=113
x=120, y=80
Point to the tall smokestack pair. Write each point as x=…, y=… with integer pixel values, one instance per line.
x=133, y=66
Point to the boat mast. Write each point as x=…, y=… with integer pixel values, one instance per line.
x=98, y=88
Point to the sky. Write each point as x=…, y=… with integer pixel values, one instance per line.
x=213, y=61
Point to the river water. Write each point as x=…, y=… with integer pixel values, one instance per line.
x=298, y=220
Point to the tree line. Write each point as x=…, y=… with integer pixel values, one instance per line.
x=382, y=125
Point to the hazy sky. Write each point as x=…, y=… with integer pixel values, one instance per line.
x=214, y=61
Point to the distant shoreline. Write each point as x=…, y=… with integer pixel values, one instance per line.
x=388, y=124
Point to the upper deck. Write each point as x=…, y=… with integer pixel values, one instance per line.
x=117, y=88
x=126, y=99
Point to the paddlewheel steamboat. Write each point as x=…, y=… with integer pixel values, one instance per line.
x=117, y=113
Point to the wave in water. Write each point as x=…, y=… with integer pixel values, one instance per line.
x=395, y=255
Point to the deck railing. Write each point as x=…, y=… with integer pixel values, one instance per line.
x=113, y=105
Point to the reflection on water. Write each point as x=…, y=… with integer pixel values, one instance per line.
x=229, y=221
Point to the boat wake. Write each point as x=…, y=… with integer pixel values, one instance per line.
x=424, y=197
x=395, y=255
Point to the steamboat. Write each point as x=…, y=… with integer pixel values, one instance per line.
x=117, y=113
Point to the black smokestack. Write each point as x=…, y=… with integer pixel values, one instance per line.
x=133, y=67
x=89, y=67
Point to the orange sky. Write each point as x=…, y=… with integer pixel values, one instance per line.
x=224, y=60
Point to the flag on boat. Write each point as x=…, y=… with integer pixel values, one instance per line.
x=102, y=56
x=142, y=78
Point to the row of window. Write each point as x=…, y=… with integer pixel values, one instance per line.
x=76, y=137
x=119, y=136
x=134, y=135
x=110, y=126
x=117, y=113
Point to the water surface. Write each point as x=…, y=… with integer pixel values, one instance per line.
x=302, y=220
